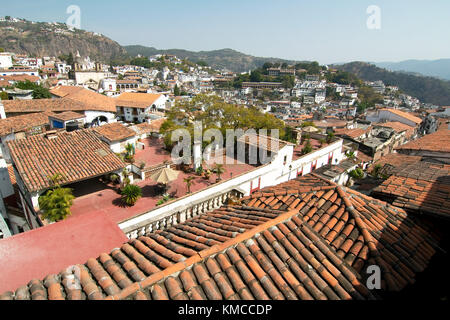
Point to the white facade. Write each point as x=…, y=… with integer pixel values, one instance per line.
x=279, y=170
x=387, y=115
x=93, y=115
x=5, y=60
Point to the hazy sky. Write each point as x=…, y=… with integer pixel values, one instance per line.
x=323, y=30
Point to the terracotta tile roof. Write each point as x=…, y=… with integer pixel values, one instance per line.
x=55, y=105
x=265, y=142
x=23, y=123
x=351, y=133
x=421, y=187
x=399, y=127
x=304, y=239
x=145, y=127
x=115, y=132
x=78, y=155
x=361, y=229
x=396, y=160
x=136, y=100
x=437, y=142
x=85, y=96
x=405, y=115
x=20, y=77
x=67, y=115
x=225, y=254
x=12, y=176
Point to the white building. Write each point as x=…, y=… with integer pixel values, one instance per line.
x=5, y=60
x=137, y=107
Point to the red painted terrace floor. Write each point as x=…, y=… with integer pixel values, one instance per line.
x=107, y=200
x=48, y=250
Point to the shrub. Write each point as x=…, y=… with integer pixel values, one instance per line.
x=357, y=173
x=56, y=204
x=131, y=194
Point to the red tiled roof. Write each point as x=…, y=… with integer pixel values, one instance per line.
x=304, y=239
x=55, y=105
x=399, y=127
x=437, y=142
x=85, y=96
x=421, y=187
x=351, y=133
x=115, y=132
x=136, y=100
x=77, y=155
x=405, y=115
x=39, y=252
x=23, y=123
x=67, y=115
x=362, y=230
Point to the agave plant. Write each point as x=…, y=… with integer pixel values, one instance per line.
x=131, y=194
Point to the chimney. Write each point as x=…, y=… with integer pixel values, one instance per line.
x=2, y=111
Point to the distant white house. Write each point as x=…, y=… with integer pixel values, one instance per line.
x=5, y=60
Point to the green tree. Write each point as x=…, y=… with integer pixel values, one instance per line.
x=307, y=148
x=176, y=90
x=56, y=202
x=39, y=92
x=256, y=76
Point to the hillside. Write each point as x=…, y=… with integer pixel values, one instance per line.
x=219, y=59
x=427, y=89
x=433, y=68
x=54, y=39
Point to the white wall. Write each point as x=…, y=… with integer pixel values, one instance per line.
x=5, y=60
x=270, y=174
x=6, y=187
x=91, y=115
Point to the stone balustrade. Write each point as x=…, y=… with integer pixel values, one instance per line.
x=181, y=214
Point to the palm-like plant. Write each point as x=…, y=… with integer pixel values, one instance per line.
x=131, y=194
x=188, y=182
x=56, y=203
x=219, y=169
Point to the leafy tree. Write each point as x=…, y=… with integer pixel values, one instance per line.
x=131, y=194
x=202, y=63
x=176, y=90
x=141, y=62
x=39, y=92
x=307, y=148
x=56, y=202
x=3, y=95
x=330, y=137
x=256, y=76
x=2, y=50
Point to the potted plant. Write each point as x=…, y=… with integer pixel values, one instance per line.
x=219, y=169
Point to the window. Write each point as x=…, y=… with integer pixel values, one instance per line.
x=285, y=160
x=314, y=165
x=300, y=172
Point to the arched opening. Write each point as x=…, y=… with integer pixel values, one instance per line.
x=100, y=120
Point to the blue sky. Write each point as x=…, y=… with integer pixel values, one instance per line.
x=323, y=30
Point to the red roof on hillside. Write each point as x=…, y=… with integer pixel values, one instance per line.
x=49, y=249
